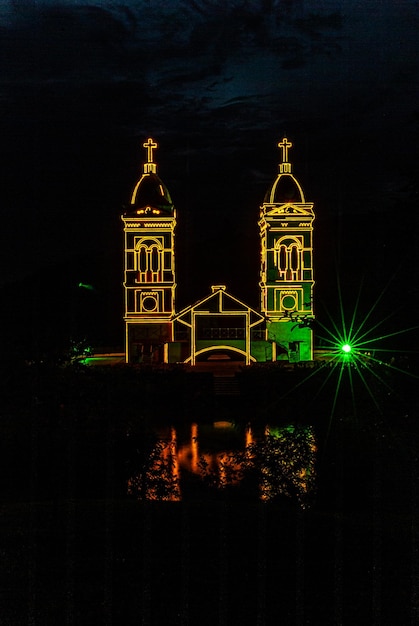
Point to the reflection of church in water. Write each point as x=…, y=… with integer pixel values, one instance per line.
x=221, y=456
x=219, y=325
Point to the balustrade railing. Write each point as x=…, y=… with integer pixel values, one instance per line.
x=221, y=333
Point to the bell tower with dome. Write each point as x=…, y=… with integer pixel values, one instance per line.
x=286, y=273
x=219, y=325
x=149, y=266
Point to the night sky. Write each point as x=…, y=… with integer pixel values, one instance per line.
x=217, y=84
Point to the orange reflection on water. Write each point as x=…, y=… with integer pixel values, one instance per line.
x=283, y=458
x=248, y=436
x=160, y=475
x=188, y=453
x=194, y=448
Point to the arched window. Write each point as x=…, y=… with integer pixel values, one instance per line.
x=282, y=258
x=155, y=259
x=142, y=259
x=149, y=261
x=288, y=258
x=295, y=261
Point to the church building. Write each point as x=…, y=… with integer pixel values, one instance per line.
x=218, y=325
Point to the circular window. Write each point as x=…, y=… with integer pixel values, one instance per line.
x=149, y=303
x=288, y=303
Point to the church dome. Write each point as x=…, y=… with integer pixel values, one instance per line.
x=150, y=191
x=284, y=189
x=150, y=196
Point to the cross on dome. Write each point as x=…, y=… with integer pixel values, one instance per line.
x=284, y=145
x=150, y=166
x=150, y=145
x=285, y=166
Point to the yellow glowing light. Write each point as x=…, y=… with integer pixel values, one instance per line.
x=149, y=277
x=286, y=280
x=150, y=145
x=157, y=225
x=220, y=304
x=286, y=269
x=285, y=145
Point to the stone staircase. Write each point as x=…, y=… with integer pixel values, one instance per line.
x=226, y=386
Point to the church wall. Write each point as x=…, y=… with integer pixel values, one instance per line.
x=261, y=351
x=293, y=343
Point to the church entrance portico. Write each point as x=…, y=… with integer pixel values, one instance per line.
x=219, y=325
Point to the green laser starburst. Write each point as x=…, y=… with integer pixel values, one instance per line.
x=355, y=363
x=354, y=348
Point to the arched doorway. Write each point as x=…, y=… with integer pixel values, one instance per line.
x=221, y=360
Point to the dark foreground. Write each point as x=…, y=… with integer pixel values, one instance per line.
x=107, y=562
x=75, y=550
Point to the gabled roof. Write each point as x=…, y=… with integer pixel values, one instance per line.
x=220, y=302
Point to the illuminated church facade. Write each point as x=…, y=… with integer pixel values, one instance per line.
x=219, y=325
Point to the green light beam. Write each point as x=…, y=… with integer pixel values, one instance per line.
x=361, y=375
x=336, y=338
x=335, y=398
x=376, y=303
x=355, y=309
x=396, y=351
x=358, y=337
x=86, y=286
x=302, y=382
x=394, y=367
x=338, y=333
x=365, y=364
x=398, y=332
x=332, y=371
x=342, y=315
x=351, y=385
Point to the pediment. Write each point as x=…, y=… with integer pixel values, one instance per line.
x=219, y=303
x=290, y=209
